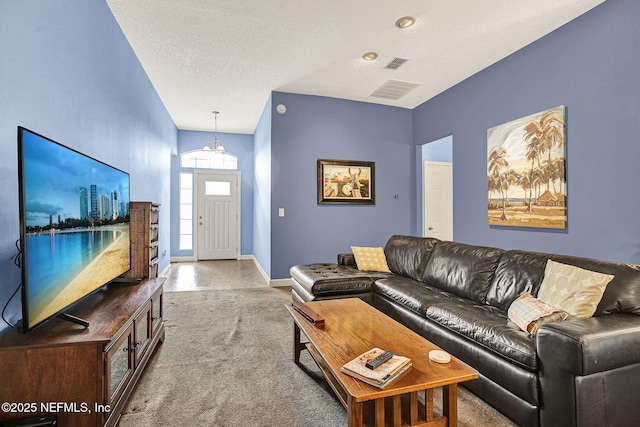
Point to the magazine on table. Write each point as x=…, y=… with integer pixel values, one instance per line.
x=380, y=376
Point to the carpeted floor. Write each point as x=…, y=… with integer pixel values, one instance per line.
x=227, y=361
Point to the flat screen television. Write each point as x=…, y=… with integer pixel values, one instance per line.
x=74, y=226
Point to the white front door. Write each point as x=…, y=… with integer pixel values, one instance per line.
x=217, y=215
x=438, y=200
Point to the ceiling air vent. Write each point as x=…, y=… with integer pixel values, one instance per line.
x=394, y=89
x=395, y=64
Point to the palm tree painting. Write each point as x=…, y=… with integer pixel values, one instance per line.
x=526, y=177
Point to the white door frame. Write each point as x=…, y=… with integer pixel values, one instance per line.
x=196, y=191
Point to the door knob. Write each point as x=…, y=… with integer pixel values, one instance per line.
x=430, y=228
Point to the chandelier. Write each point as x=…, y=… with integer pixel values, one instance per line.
x=216, y=146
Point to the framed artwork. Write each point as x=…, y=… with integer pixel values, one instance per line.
x=346, y=182
x=526, y=178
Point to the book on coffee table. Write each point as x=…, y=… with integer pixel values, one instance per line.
x=382, y=375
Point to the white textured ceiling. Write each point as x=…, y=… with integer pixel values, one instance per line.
x=228, y=55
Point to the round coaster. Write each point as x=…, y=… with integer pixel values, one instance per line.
x=439, y=356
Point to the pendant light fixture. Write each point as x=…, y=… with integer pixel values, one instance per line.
x=216, y=146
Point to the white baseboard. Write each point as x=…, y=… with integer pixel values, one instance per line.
x=164, y=272
x=263, y=273
x=193, y=258
x=183, y=259
x=278, y=283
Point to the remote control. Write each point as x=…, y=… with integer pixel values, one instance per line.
x=379, y=360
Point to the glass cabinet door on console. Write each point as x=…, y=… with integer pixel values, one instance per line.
x=143, y=332
x=156, y=311
x=119, y=365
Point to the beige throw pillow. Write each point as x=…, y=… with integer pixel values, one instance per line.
x=370, y=259
x=572, y=289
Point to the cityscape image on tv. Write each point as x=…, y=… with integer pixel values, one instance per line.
x=76, y=225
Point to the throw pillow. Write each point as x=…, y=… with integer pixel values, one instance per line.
x=572, y=289
x=530, y=313
x=370, y=259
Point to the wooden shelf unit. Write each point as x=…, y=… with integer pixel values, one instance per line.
x=144, y=225
x=92, y=371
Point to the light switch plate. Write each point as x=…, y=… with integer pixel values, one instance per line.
x=280, y=212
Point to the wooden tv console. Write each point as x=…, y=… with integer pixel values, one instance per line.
x=83, y=376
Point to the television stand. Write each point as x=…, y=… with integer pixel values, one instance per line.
x=83, y=376
x=73, y=319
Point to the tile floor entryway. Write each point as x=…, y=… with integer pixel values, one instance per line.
x=213, y=275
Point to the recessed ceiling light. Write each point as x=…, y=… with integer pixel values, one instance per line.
x=405, y=22
x=369, y=56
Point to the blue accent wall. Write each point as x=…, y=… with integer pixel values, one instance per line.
x=240, y=145
x=69, y=73
x=319, y=127
x=262, y=191
x=591, y=65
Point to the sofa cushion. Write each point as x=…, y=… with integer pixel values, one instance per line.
x=408, y=255
x=517, y=272
x=332, y=279
x=488, y=327
x=623, y=292
x=461, y=269
x=573, y=289
x=412, y=294
x=346, y=259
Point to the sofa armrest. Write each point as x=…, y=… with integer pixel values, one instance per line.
x=586, y=346
x=584, y=366
x=347, y=259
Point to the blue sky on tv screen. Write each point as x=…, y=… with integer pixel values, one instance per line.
x=53, y=175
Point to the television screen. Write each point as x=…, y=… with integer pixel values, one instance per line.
x=74, y=225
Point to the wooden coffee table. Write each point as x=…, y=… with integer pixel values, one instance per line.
x=353, y=327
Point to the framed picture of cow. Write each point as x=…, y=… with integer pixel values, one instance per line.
x=346, y=182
